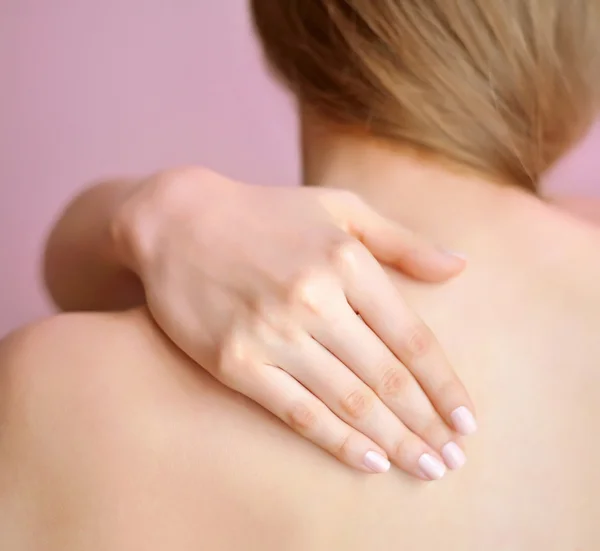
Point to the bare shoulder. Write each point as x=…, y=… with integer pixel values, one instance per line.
x=54, y=369
x=99, y=409
x=77, y=340
x=90, y=414
x=55, y=405
x=68, y=330
x=48, y=357
x=82, y=364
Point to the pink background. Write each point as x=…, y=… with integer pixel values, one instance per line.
x=130, y=86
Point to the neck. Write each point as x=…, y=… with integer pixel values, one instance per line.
x=435, y=199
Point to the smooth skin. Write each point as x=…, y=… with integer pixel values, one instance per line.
x=113, y=440
x=279, y=294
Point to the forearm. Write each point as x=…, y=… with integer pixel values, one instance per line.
x=82, y=270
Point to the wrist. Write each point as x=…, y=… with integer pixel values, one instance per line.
x=151, y=205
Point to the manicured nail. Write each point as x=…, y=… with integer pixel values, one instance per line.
x=454, y=457
x=457, y=255
x=463, y=420
x=432, y=467
x=376, y=462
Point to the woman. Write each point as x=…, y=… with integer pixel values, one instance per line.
x=121, y=444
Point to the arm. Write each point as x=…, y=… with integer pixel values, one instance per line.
x=82, y=270
x=88, y=263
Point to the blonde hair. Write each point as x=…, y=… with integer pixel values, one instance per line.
x=505, y=87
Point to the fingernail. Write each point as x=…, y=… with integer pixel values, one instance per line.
x=463, y=420
x=454, y=457
x=432, y=467
x=457, y=255
x=376, y=462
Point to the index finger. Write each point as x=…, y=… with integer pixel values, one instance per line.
x=395, y=245
x=371, y=293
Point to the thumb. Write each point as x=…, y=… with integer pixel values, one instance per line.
x=397, y=246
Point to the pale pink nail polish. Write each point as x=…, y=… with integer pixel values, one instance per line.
x=376, y=462
x=463, y=420
x=433, y=468
x=461, y=256
x=453, y=456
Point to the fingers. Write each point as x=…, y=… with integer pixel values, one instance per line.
x=362, y=351
x=365, y=389
x=400, y=404
x=356, y=404
x=322, y=399
x=282, y=395
x=392, y=244
x=371, y=293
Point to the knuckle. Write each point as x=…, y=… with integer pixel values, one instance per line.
x=301, y=290
x=449, y=394
x=418, y=342
x=394, y=381
x=451, y=390
x=342, y=449
x=401, y=451
x=358, y=404
x=346, y=255
x=310, y=290
x=301, y=418
x=234, y=362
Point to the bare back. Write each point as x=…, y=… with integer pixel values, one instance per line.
x=165, y=457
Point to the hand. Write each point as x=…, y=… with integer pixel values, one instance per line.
x=278, y=293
